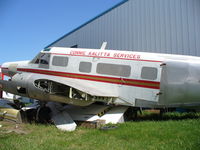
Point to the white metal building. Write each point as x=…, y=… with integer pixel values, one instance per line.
x=164, y=26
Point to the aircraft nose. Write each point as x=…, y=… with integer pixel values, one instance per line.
x=9, y=69
x=5, y=65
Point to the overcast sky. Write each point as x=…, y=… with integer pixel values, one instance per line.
x=27, y=26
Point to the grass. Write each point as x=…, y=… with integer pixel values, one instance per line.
x=174, y=132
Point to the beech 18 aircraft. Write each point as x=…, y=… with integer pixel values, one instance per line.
x=84, y=76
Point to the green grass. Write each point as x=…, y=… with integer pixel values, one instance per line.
x=180, y=134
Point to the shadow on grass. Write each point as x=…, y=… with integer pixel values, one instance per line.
x=166, y=116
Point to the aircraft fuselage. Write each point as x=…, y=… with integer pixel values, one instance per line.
x=84, y=76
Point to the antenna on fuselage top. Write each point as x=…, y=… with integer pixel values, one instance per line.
x=103, y=46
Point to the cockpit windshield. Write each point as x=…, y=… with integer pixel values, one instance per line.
x=42, y=59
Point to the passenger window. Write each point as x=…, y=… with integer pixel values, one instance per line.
x=149, y=73
x=114, y=69
x=85, y=67
x=60, y=61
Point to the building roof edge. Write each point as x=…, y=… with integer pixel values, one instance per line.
x=103, y=13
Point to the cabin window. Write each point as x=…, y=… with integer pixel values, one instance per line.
x=149, y=73
x=114, y=69
x=60, y=61
x=85, y=67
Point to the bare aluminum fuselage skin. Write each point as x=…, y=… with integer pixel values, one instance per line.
x=152, y=80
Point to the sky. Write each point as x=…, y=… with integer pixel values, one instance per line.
x=27, y=26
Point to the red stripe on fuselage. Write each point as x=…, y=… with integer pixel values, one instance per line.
x=113, y=80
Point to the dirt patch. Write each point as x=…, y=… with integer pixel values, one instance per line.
x=12, y=127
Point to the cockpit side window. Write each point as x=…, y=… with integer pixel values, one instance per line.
x=44, y=59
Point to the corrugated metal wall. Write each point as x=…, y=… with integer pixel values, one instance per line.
x=166, y=26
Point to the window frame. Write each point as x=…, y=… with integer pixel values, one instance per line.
x=153, y=73
x=58, y=65
x=90, y=69
x=115, y=72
